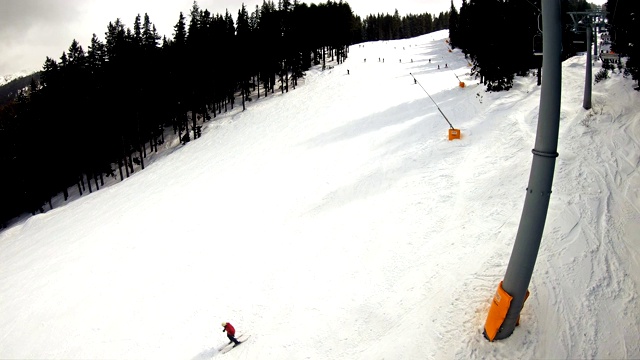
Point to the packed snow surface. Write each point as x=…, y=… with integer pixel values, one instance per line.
x=337, y=221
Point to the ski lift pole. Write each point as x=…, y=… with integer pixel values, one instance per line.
x=504, y=313
x=443, y=115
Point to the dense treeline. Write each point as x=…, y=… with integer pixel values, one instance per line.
x=102, y=111
x=99, y=112
x=623, y=17
x=393, y=27
x=500, y=37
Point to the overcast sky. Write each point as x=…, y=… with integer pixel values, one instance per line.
x=31, y=30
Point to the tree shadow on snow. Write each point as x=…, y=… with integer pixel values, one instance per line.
x=423, y=125
x=392, y=116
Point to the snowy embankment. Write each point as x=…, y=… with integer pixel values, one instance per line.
x=337, y=222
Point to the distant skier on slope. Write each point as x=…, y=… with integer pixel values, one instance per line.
x=231, y=332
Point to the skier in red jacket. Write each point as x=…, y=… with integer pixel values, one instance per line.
x=231, y=333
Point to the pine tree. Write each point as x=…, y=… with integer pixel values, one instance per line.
x=268, y=45
x=177, y=75
x=453, y=26
x=242, y=47
x=624, y=18
x=137, y=31
x=114, y=39
x=396, y=24
x=486, y=43
x=104, y=136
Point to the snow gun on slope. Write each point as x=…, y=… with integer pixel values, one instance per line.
x=453, y=132
x=460, y=82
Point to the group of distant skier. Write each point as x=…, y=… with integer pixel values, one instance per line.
x=446, y=65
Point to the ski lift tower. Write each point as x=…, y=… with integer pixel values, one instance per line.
x=512, y=292
x=587, y=21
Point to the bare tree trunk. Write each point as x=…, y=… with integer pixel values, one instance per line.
x=125, y=156
x=89, y=183
x=120, y=169
x=130, y=159
x=193, y=119
x=80, y=185
x=141, y=157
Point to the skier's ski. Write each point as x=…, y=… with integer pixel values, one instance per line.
x=242, y=338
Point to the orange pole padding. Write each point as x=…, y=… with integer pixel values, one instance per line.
x=454, y=134
x=462, y=84
x=497, y=312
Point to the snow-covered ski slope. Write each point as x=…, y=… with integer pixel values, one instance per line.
x=338, y=222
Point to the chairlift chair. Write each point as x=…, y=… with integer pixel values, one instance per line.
x=537, y=44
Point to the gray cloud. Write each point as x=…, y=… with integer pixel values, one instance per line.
x=31, y=27
x=17, y=15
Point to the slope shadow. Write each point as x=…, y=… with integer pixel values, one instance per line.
x=392, y=116
x=379, y=179
x=206, y=354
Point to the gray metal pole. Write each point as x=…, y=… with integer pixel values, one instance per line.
x=586, y=102
x=536, y=204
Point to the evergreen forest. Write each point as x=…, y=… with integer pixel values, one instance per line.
x=100, y=112
x=501, y=38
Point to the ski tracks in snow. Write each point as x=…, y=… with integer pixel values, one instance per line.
x=592, y=191
x=479, y=269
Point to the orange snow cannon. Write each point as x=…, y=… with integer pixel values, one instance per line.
x=454, y=134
